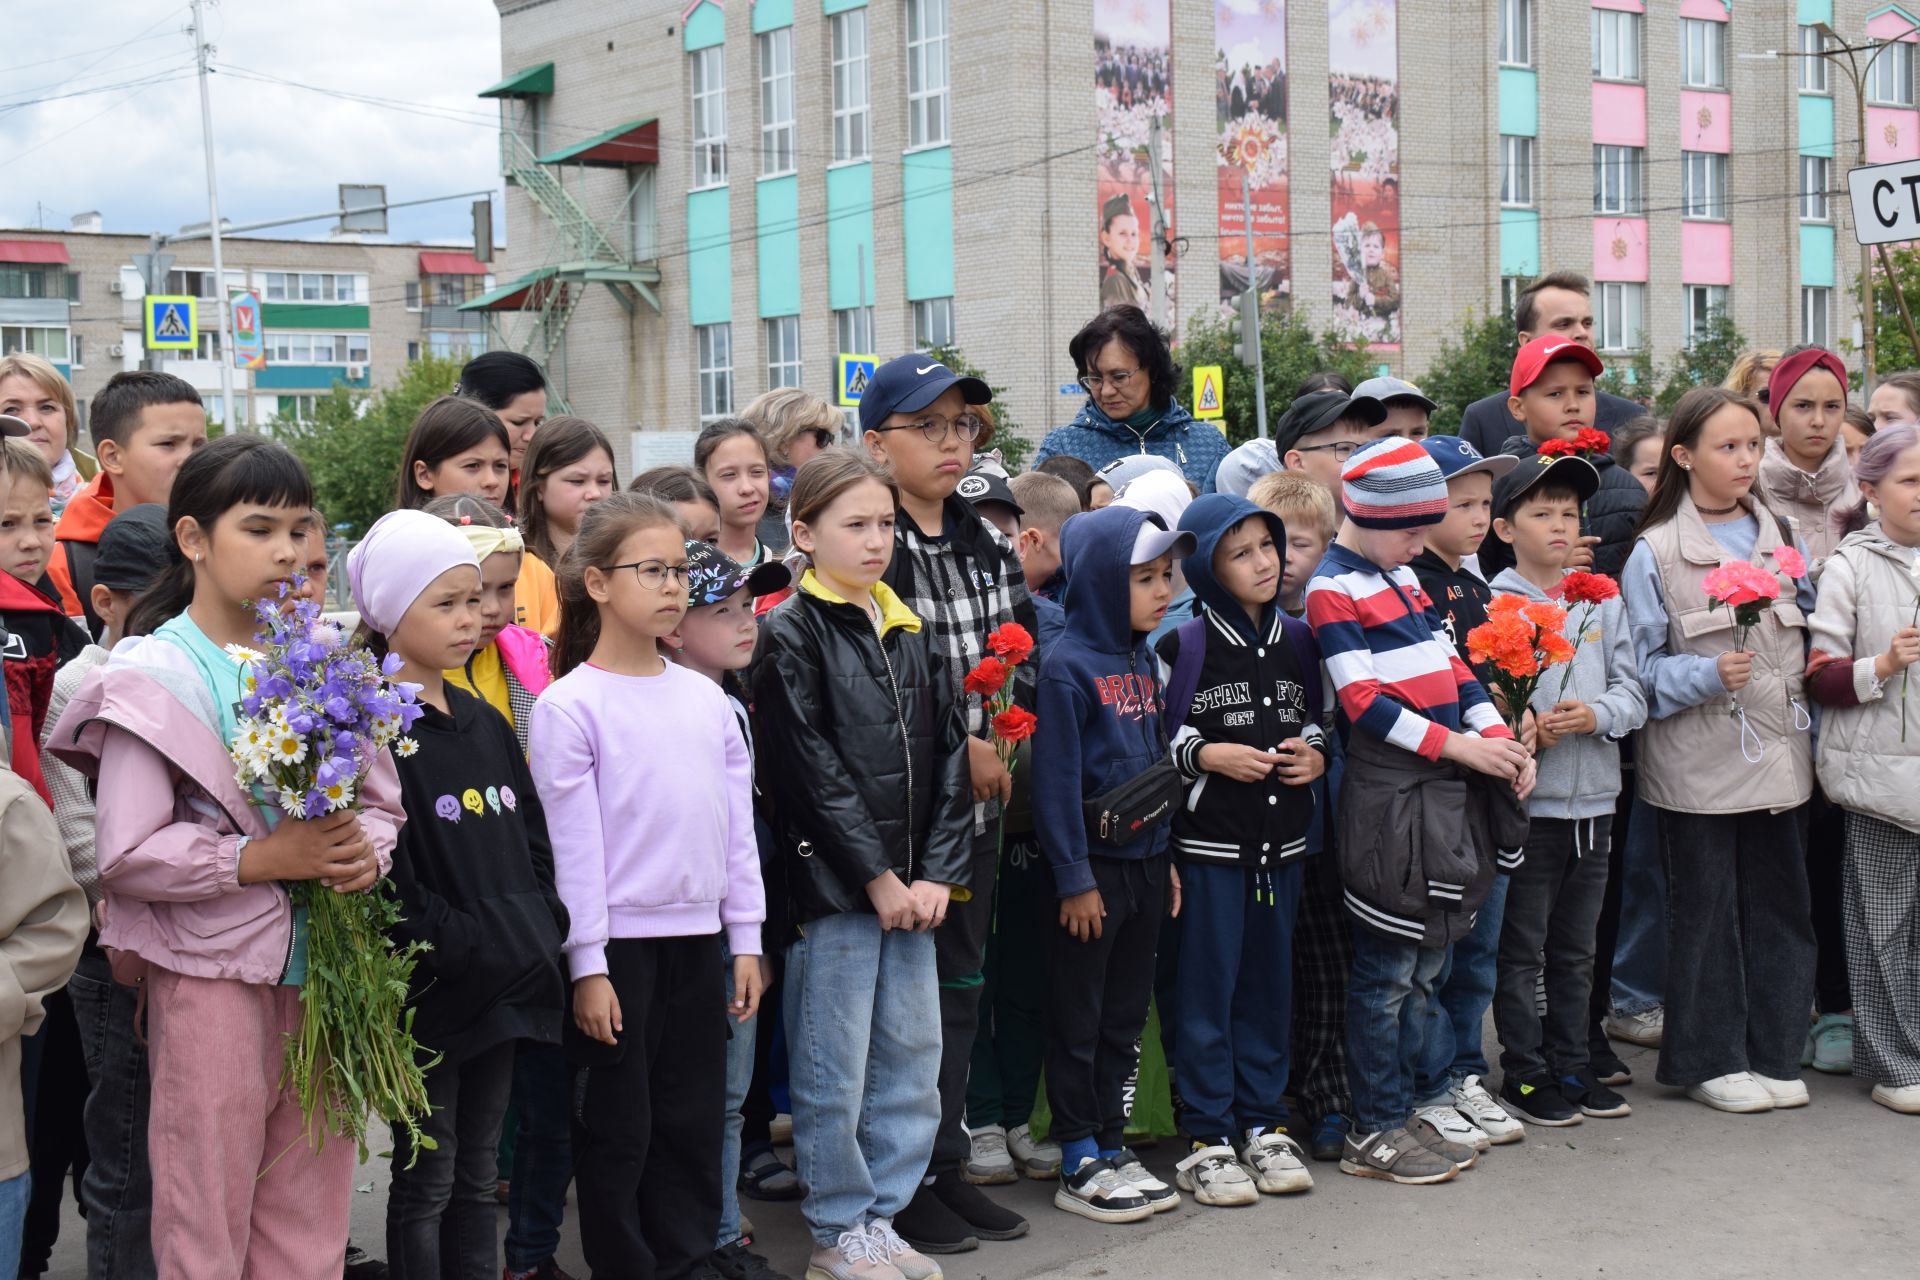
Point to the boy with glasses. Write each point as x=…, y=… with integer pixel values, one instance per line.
x=1321, y=430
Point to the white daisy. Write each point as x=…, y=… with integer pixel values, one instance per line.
x=292, y=803
x=244, y=653
x=405, y=747
x=339, y=795
x=287, y=747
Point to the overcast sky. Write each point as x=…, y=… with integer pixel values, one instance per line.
x=134, y=152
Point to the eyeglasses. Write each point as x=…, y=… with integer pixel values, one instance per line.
x=653, y=574
x=1341, y=449
x=1118, y=378
x=966, y=426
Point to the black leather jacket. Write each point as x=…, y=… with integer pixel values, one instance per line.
x=862, y=756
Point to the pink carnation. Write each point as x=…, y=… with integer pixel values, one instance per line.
x=1737, y=583
x=1791, y=562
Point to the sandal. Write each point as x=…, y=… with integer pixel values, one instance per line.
x=763, y=1176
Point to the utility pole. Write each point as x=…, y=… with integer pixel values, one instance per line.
x=1253, y=312
x=1158, y=266
x=202, y=51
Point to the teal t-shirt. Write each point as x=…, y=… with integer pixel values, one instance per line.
x=223, y=676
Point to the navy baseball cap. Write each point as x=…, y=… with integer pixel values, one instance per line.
x=909, y=383
x=1458, y=458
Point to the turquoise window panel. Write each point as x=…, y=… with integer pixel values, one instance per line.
x=1816, y=125
x=849, y=235
x=709, y=257
x=841, y=6
x=771, y=15
x=777, y=244
x=1519, y=102
x=1816, y=254
x=926, y=179
x=706, y=27
x=1812, y=11
x=1519, y=242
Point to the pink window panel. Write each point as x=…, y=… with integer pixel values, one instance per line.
x=1712, y=11
x=1889, y=23
x=1620, y=114
x=1620, y=249
x=1893, y=133
x=1630, y=6
x=1706, y=252
x=1704, y=122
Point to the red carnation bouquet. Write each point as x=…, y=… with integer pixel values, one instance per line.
x=1588, y=443
x=1589, y=591
x=992, y=678
x=1520, y=639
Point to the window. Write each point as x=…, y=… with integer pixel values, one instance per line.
x=297, y=408
x=1703, y=184
x=1616, y=45
x=1813, y=315
x=716, y=369
x=78, y=363
x=1617, y=173
x=1621, y=308
x=24, y=280
x=926, y=72
x=301, y=286
x=1813, y=70
x=207, y=348
x=316, y=348
x=642, y=229
x=783, y=352
x=1703, y=54
x=776, y=102
x=709, y=76
x=413, y=352
x=932, y=323
x=1510, y=288
x=1813, y=188
x=1890, y=79
x=1516, y=32
x=850, y=141
x=1704, y=302
x=73, y=293
x=413, y=295
x=853, y=331
x=33, y=340
x=1516, y=170
x=456, y=344
x=447, y=290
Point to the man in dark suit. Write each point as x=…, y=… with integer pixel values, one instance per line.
x=1558, y=303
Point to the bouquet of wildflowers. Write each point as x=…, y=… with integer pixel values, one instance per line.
x=317, y=712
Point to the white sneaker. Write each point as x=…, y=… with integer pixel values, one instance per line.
x=1455, y=1127
x=1471, y=1099
x=1277, y=1164
x=854, y=1256
x=1904, y=1098
x=1785, y=1093
x=989, y=1164
x=1215, y=1177
x=1739, y=1093
x=905, y=1259
x=1038, y=1160
x=1644, y=1028
x=1161, y=1196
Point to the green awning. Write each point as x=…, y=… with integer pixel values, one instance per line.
x=525, y=83
x=522, y=295
x=635, y=142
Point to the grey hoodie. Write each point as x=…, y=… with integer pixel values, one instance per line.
x=1579, y=776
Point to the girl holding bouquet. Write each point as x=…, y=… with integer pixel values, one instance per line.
x=1726, y=759
x=195, y=874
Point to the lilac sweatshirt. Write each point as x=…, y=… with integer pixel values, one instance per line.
x=648, y=787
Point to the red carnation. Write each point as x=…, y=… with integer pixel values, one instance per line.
x=1015, y=724
x=987, y=678
x=1588, y=588
x=1592, y=440
x=1011, y=643
x=1558, y=448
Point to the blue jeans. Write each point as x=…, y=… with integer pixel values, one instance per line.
x=739, y=1080
x=117, y=1188
x=1465, y=993
x=1391, y=1017
x=14, y=1194
x=1640, y=954
x=863, y=1063
x=542, y=1155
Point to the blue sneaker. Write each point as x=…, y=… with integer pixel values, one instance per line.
x=1330, y=1136
x=1830, y=1044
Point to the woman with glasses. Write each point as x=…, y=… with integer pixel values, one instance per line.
x=795, y=425
x=1127, y=371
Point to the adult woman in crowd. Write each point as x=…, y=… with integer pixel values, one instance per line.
x=514, y=388
x=33, y=391
x=1748, y=377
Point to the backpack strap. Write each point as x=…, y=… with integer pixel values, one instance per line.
x=80, y=558
x=1306, y=652
x=1184, y=679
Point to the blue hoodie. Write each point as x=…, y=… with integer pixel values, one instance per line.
x=1099, y=699
x=1094, y=438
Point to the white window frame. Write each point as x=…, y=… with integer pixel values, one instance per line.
x=294, y=286
x=932, y=323
x=1813, y=69
x=412, y=295
x=1516, y=171
x=852, y=100
x=1703, y=54
x=778, y=130
x=1816, y=179
x=1890, y=77
x=1510, y=290
x=707, y=76
x=853, y=325
x=713, y=346
x=302, y=347
x=1703, y=185
x=52, y=343
x=1703, y=302
x=783, y=351
x=643, y=234
x=928, y=116
x=1619, y=178
x=1816, y=314
x=1620, y=311
x=1616, y=45
x=1516, y=33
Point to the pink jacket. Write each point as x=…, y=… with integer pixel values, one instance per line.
x=171, y=820
x=524, y=652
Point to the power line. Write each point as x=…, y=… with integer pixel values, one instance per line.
x=158, y=77
x=111, y=106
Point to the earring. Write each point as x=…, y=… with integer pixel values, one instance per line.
x=1686, y=466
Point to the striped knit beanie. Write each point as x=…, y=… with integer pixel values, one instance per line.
x=1393, y=484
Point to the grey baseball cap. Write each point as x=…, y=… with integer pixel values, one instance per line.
x=1387, y=390
x=1242, y=468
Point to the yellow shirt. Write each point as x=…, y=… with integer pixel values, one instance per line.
x=489, y=681
x=536, y=598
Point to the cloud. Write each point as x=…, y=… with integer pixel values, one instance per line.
x=135, y=153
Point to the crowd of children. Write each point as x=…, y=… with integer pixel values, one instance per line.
x=989, y=826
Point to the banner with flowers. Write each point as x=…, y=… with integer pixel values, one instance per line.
x=1250, y=116
x=1363, y=58
x=1133, y=85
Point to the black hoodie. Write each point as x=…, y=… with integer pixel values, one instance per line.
x=1611, y=514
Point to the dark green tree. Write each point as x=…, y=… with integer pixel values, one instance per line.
x=1895, y=349
x=1477, y=364
x=1704, y=364
x=1289, y=352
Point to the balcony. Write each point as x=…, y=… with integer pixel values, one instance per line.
x=450, y=316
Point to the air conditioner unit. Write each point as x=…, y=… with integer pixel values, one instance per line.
x=116, y=349
x=116, y=285
x=356, y=371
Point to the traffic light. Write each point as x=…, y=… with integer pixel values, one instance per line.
x=1244, y=328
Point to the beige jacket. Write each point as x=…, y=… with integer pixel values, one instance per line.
x=1810, y=501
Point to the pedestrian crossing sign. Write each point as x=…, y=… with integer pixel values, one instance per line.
x=171, y=323
x=855, y=372
x=1208, y=386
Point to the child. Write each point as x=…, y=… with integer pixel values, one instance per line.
x=1863, y=635
x=1307, y=510
x=795, y=425
x=1047, y=503
x=477, y=889
x=1321, y=429
x=1856, y=431
x=690, y=495
x=1075, y=471
x=194, y=889
x=43, y=639
x=1552, y=397
x=1636, y=448
x=869, y=808
x=1554, y=897
x=650, y=875
x=1422, y=731
x=1100, y=726
x=1243, y=682
x=961, y=577
x=1804, y=474
x=568, y=467
x=117, y=1188
x=509, y=667
x=732, y=458
x=144, y=426
x=512, y=386
x=314, y=576
x=454, y=446
x=1725, y=760
x=1408, y=408
x=715, y=639
x=1895, y=400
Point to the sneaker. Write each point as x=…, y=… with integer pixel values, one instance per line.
x=780, y=1130
x=1453, y=1126
x=985, y=1217
x=1330, y=1136
x=737, y=1262
x=1607, y=1067
x=1427, y=1134
x=856, y=1255
x=360, y=1265
x=765, y=1176
x=1786, y=1094
x=1644, y=1028
x=1538, y=1102
x=1215, y=1176
x=1739, y=1093
x=932, y=1226
x=1471, y=1099
x=1394, y=1156
x=907, y=1260
x=1584, y=1090
x=1097, y=1191
x=1161, y=1196
x=548, y=1270
x=1904, y=1098
x=1038, y=1160
x=1830, y=1045
x=989, y=1164
x=1277, y=1163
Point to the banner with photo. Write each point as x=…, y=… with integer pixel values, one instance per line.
x=1363, y=55
x=1250, y=114
x=1133, y=68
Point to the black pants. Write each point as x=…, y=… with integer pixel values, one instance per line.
x=442, y=1222
x=1322, y=963
x=1553, y=905
x=1740, y=948
x=1100, y=992
x=1826, y=866
x=1606, y=933
x=59, y=1139
x=959, y=956
x=649, y=1114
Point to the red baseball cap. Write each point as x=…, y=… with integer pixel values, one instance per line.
x=1543, y=351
